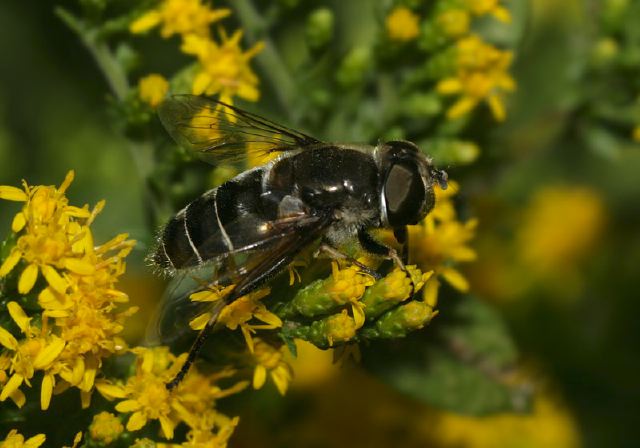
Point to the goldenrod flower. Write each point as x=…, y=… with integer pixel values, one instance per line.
x=146, y=397
x=16, y=440
x=152, y=89
x=105, y=428
x=238, y=313
x=179, y=17
x=224, y=68
x=270, y=360
x=402, y=24
x=481, y=75
x=345, y=286
x=80, y=317
x=340, y=328
x=393, y=289
x=454, y=22
x=439, y=242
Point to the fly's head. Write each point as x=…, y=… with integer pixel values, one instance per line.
x=407, y=181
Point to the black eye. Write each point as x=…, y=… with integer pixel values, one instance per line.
x=404, y=194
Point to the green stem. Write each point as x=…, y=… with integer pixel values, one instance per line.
x=269, y=60
x=110, y=67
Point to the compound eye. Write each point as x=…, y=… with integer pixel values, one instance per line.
x=404, y=194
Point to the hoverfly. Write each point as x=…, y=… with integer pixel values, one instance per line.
x=312, y=191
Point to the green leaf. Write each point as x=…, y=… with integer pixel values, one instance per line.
x=458, y=363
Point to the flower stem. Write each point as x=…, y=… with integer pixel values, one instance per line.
x=110, y=67
x=269, y=60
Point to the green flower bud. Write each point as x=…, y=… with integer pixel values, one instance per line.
x=354, y=66
x=391, y=290
x=320, y=26
x=400, y=321
x=326, y=332
x=422, y=104
x=323, y=296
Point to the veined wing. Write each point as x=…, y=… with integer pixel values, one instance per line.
x=223, y=132
x=245, y=268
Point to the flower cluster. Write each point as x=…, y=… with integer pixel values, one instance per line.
x=441, y=241
x=222, y=66
x=59, y=291
x=145, y=397
x=461, y=62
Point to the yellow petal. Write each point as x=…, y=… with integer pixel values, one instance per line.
x=49, y=353
x=55, y=280
x=430, y=292
x=281, y=378
x=11, y=386
x=198, y=323
x=9, y=193
x=167, y=427
x=136, y=421
x=66, y=182
x=449, y=86
x=10, y=262
x=259, y=376
x=358, y=313
x=268, y=317
x=46, y=391
x=28, y=279
x=461, y=107
x=35, y=441
x=79, y=266
x=145, y=22
x=200, y=83
x=18, y=315
x=8, y=340
x=85, y=399
x=18, y=398
x=207, y=295
x=128, y=406
x=455, y=279
x=110, y=391
x=18, y=223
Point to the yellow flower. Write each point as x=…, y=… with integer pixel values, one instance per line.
x=454, y=22
x=271, y=360
x=481, y=75
x=402, y=24
x=213, y=430
x=242, y=311
x=179, y=17
x=36, y=352
x=146, y=397
x=152, y=89
x=340, y=328
x=439, y=242
x=238, y=313
x=15, y=440
x=80, y=314
x=347, y=286
x=224, y=68
x=105, y=428
x=493, y=7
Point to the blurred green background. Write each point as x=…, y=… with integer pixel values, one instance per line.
x=556, y=190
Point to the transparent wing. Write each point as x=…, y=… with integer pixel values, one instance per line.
x=176, y=310
x=222, y=132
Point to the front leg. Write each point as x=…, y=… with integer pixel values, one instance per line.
x=370, y=244
x=335, y=254
x=402, y=237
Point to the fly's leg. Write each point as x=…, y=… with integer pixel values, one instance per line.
x=335, y=254
x=370, y=244
x=402, y=237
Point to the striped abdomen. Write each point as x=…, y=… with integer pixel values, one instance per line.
x=226, y=219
